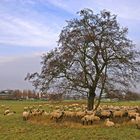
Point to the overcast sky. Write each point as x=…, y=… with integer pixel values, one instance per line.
x=29, y=28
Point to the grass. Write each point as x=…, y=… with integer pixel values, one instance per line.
x=14, y=128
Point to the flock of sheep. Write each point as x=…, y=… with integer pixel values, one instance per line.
x=7, y=110
x=110, y=115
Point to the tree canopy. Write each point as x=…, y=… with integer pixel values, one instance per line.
x=93, y=55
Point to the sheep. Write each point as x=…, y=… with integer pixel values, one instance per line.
x=137, y=121
x=80, y=114
x=3, y=106
x=57, y=115
x=119, y=113
x=86, y=119
x=109, y=123
x=34, y=112
x=70, y=114
x=26, y=115
x=46, y=113
x=57, y=107
x=89, y=118
x=6, y=112
x=133, y=121
x=40, y=106
x=89, y=112
x=26, y=108
x=105, y=114
x=83, y=120
x=132, y=114
x=11, y=113
x=37, y=112
x=137, y=118
x=30, y=107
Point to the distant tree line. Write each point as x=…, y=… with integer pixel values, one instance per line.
x=31, y=94
x=18, y=94
x=129, y=95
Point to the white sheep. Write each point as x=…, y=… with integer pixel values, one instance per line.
x=40, y=106
x=133, y=121
x=11, y=113
x=26, y=115
x=46, y=113
x=109, y=123
x=6, y=111
x=89, y=119
x=26, y=108
x=3, y=106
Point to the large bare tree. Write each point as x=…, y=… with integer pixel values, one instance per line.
x=94, y=55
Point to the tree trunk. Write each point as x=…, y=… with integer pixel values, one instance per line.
x=91, y=97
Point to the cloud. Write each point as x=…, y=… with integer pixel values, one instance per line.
x=17, y=31
x=26, y=26
x=125, y=9
x=38, y=23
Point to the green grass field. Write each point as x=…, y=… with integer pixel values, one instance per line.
x=14, y=128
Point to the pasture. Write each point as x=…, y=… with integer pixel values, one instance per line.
x=42, y=128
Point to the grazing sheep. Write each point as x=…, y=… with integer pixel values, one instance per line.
x=89, y=119
x=40, y=106
x=133, y=121
x=57, y=115
x=70, y=114
x=46, y=113
x=37, y=112
x=6, y=112
x=119, y=113
x=105, y=114
x=80, y=114
x=3, y=106
x=26, y=108
x=57, y=107
x=11, y=113
x=109, y=123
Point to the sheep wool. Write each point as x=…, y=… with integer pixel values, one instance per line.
x=109, y=123
x=25, y=115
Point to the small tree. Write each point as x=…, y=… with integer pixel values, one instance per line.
x=94, y=55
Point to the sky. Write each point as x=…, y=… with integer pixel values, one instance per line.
x=29, y=28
